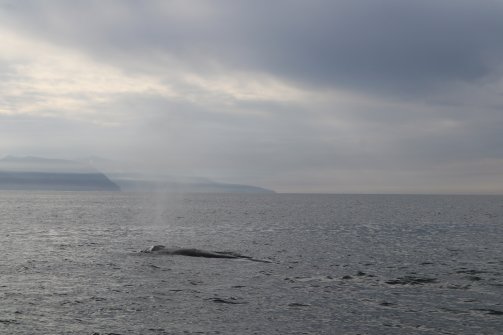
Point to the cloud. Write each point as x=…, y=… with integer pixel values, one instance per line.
x=379, y=46
x=343, y=95
x=43, y=79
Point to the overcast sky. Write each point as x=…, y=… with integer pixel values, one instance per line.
x=342, y=96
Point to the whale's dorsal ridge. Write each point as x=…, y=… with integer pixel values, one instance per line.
x=161, y=249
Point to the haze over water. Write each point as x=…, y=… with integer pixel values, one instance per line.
x=341, y=264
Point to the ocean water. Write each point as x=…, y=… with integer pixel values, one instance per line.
x=340, y=264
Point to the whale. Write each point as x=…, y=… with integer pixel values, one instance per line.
x=192, y=252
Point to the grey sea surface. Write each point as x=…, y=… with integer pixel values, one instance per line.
x=340, y=264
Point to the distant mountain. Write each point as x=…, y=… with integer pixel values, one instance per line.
x=186, y=186
x=36, y=173
x=143, y=181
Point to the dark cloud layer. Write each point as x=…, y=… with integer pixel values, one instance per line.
x=389, y=45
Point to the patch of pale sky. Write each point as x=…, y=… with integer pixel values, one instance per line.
x=247, y=87
x=53, y=80
x=60, y=80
